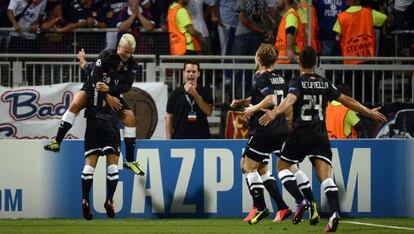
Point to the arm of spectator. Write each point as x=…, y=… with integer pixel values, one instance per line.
x=146, y=23
x=248, y=23
x=12, y=19
x=169, y=125
x=214, y=12
x=126, y=24
x=69, y=27
x=49, y=24
x=190, y=29
x=290, y=39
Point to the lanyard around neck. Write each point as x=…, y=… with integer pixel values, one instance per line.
x=190, y=102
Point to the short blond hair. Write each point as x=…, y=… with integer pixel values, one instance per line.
x=128, y=39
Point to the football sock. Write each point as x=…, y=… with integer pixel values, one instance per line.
x=304, y=185
x=331, y=192
x=87, y=179
x=129, y=139
x=256, y=188
x=289, y=182
x=269, y=183
x=66, y=123
x=111, y=181
x=248, y=186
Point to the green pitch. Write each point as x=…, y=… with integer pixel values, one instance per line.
x=213, y=225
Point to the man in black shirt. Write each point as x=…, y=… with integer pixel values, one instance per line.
x=102, y=133
x=125, y=78
x=188, y=107
x=309, y=95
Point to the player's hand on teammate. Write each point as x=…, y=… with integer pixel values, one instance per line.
x=102, y=87
x=82, y=58
x=249, y=111
x=377, y=116
x=236, y=103
x=268, y=117
x=113, y=102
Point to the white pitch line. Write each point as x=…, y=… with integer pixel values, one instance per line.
x=378, y=225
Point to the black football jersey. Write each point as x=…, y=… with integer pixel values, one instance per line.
x=264, y=84
x=313, y=93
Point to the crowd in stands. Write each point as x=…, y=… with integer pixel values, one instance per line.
x=227, y=27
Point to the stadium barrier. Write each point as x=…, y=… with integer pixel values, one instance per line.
x=196, y=179
x=383, y=80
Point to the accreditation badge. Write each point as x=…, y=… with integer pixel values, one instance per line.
x=192, y=116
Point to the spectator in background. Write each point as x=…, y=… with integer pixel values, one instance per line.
x=253, y=28
x=25, y=16
x=88, y=15
x=342, y=122
x=112, y=10
x=403, y=13
x=4, y=23
x=198, y=15
x=254, y=23
x=355, y=32
x=184, y=39
x=327, y=12
x=55, y=39
x=188, y=107
x=133, y=18
x=290, y=38
x=227, y=27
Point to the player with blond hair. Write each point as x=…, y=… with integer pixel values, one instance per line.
x=126, y=76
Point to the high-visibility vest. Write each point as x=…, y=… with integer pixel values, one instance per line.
x=281, y=39
x=178, y=42
x=315, y=32
x=335, y=122
x=358, y=37
x=315, y=44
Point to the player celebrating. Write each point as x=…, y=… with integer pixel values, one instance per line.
x=309, y=94
x=263, y=140
x=126, y=76
x=102, y=133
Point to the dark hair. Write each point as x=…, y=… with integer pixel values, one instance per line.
x=267, y=54
x=110, y=61
x=307, y=57
x=192, y=62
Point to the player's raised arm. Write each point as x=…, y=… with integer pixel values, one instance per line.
x=354, y=105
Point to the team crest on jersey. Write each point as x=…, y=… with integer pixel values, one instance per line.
x=106, y=78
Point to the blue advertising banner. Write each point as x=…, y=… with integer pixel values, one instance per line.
x=196, y=178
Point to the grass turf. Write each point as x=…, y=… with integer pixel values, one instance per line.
x=213, y=225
